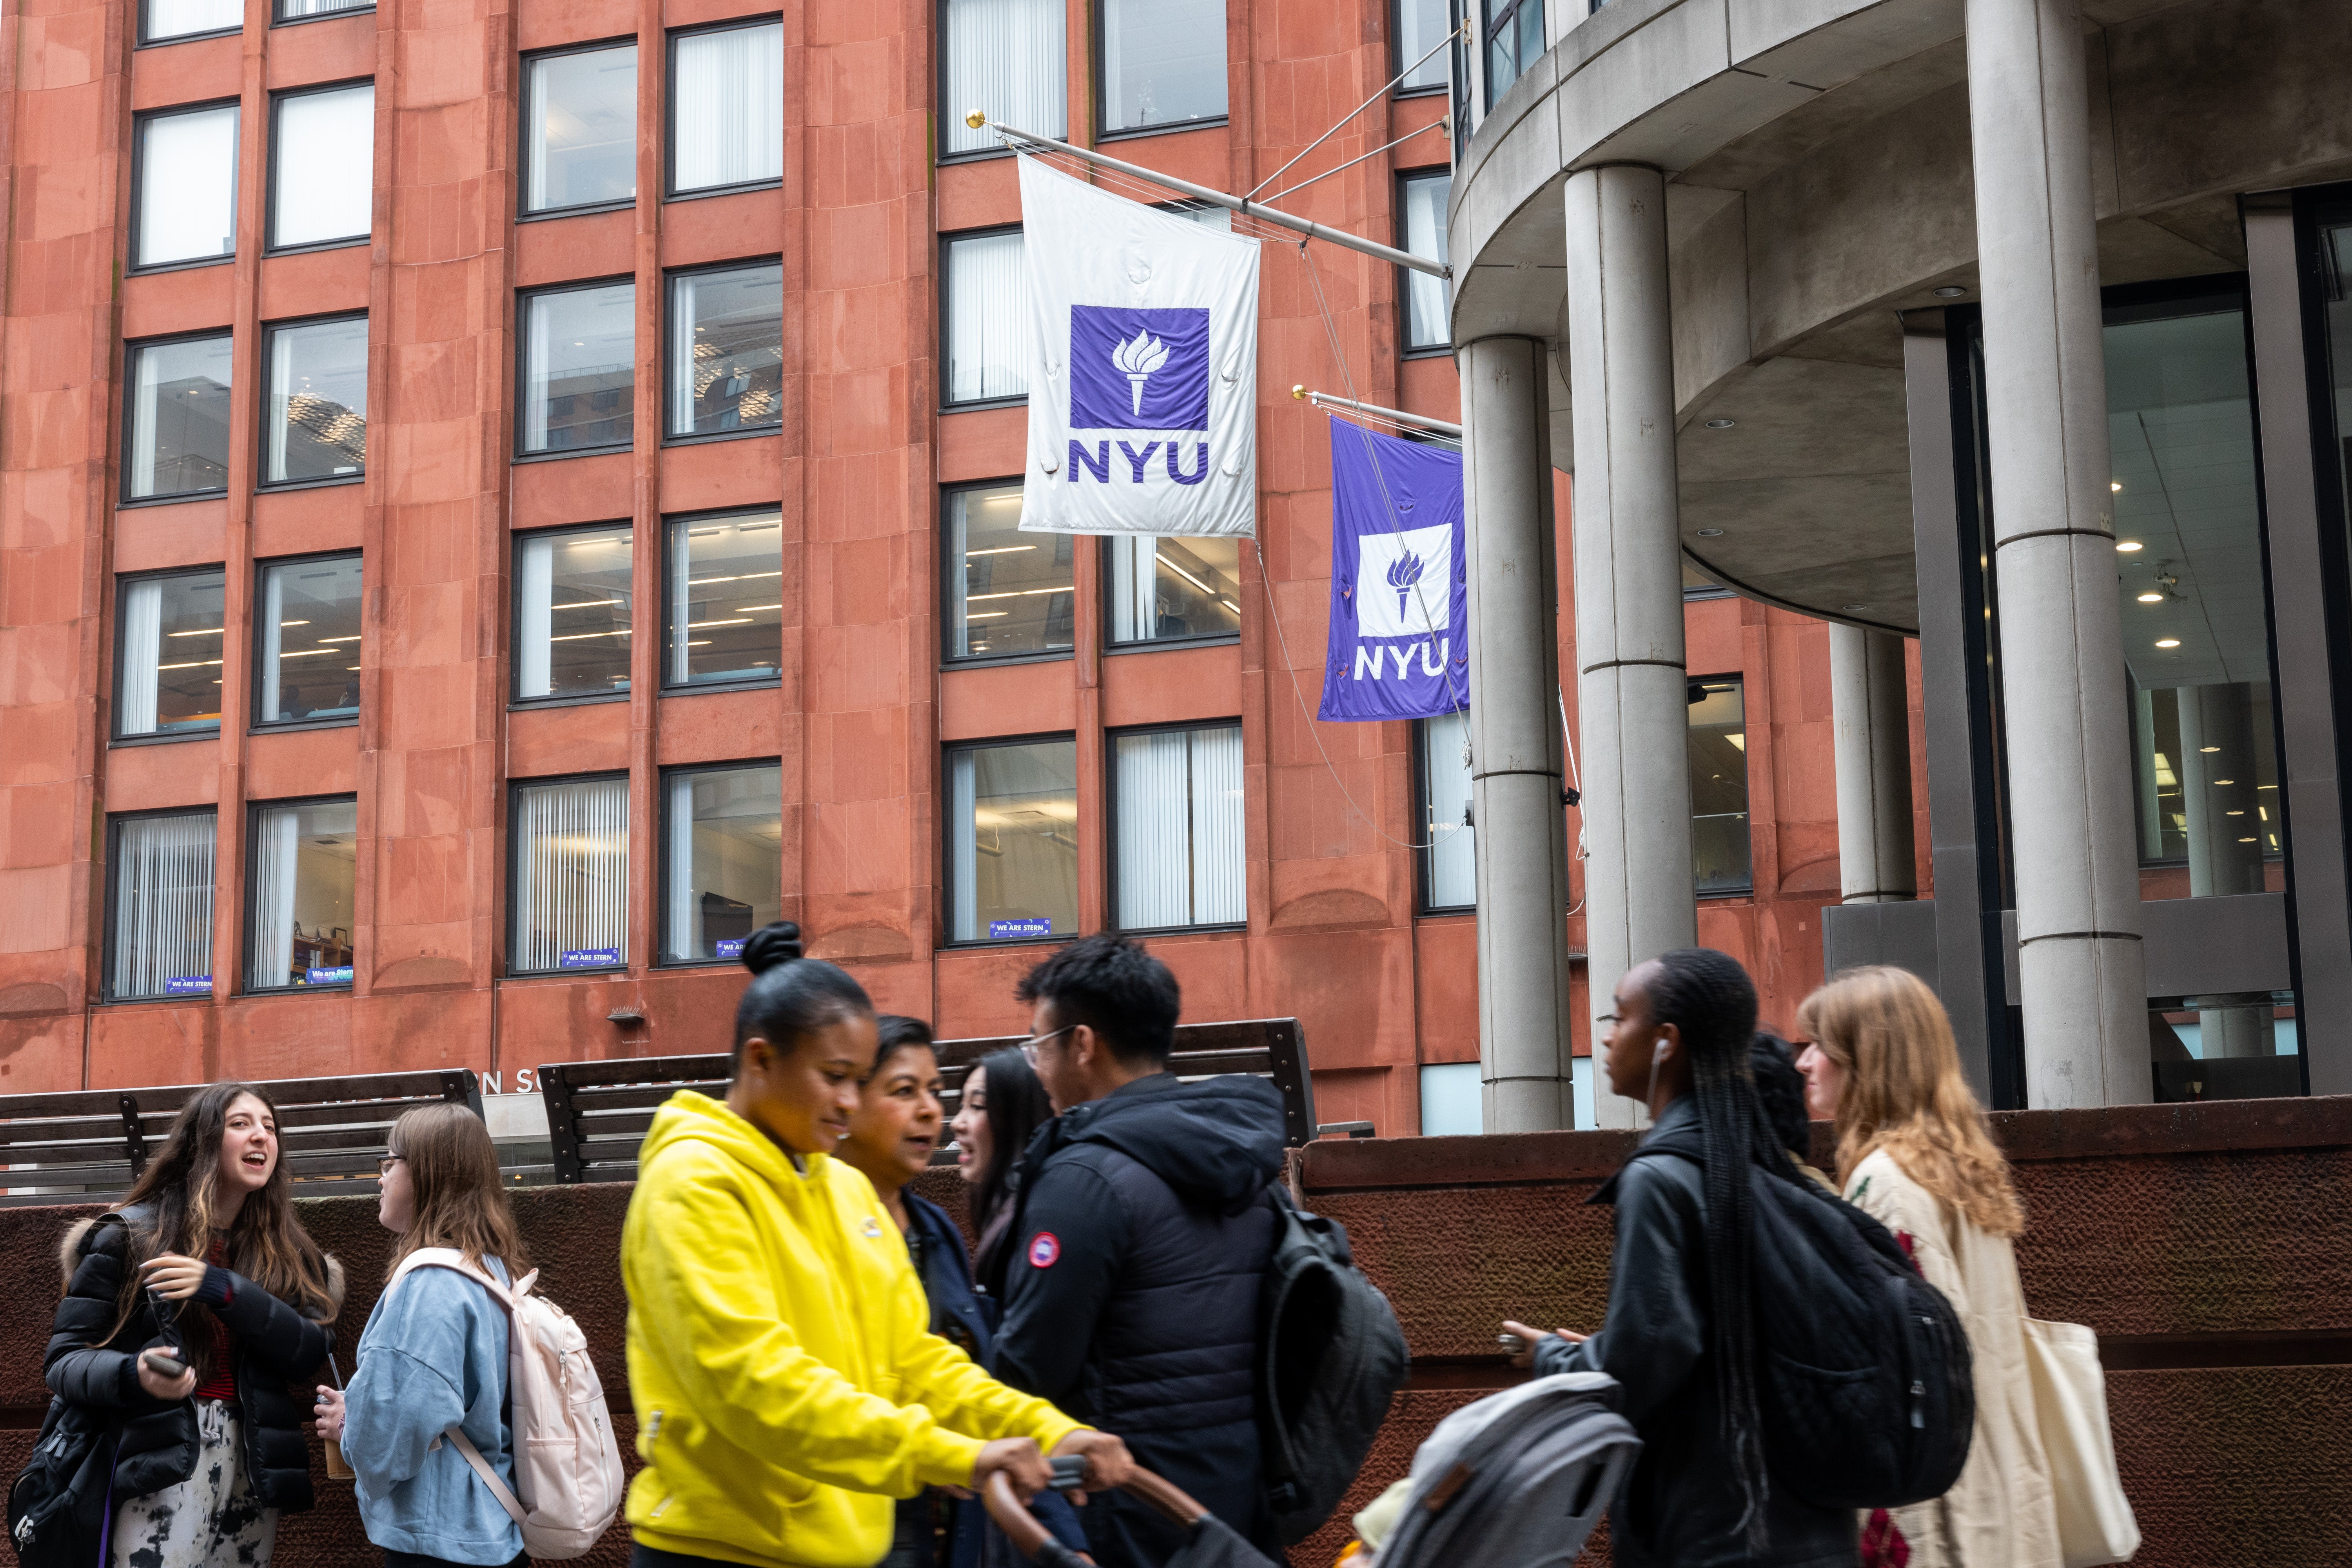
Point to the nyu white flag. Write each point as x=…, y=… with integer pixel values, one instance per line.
x=1143, y=358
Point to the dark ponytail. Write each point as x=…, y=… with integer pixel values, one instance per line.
x=790, y=995
x=1711, y=1002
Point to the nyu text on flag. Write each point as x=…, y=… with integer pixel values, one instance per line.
x=1400, y=586
x=1141, y=343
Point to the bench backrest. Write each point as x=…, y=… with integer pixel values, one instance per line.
x=84, y=1146
x=597, y=1112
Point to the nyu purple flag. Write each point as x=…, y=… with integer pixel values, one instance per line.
x=1400, y=594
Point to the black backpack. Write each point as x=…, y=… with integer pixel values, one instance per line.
x=1330, y=1356
x=58, y=1503
x=1864, y=1382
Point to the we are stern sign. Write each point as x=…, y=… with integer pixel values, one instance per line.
x=1400, y=593
x=1142, y=348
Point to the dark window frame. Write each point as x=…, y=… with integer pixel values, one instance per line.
x=1100, y=64
x=110, y=925
x=523, y=297
x=1408, y=349
x=663, y=862
x=123, y=581
x=515, y=701
x=262, y=567
x=253, y=810
x=947, y=242
x=123, y=497
x=132, y=267
x=1424, y=904
x=1111, y=645
x=524, y=211
x=947, y=752
x=1497, y=15
x=670, y=192
x=279, y=19
x=1738, y=677
x=147, y=41
x=663, y=685
x=270, y=331
x=1399, y=65
x=948, y=111
x=269, y=245
x=1111, y=740
x=515, y=790
x=670, y=356
x=949, y=581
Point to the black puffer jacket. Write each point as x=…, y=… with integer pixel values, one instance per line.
x=1131, y=1296
x=275, y=1346
x=1681, y=1507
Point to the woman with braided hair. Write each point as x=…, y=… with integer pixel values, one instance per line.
x=1680, y=1336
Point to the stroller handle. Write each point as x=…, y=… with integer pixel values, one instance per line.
x=1036, y=1545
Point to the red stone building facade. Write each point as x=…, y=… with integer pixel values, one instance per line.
x=445, y=339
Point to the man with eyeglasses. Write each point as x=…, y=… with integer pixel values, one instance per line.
x=1145, y=1228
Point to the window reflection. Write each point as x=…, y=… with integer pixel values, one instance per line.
x=1012, y=841
x=1009, y=593
x=1719, y=777
x=1166, y=589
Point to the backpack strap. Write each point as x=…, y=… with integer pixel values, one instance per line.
x=498, y=1489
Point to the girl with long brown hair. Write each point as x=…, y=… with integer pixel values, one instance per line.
x=188, y=1308
x=433, y=1355
x=1913, y=1152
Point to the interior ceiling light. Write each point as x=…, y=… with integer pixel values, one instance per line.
x=1721, y=423
x=2128, y=546
x=1710, y=534
x=1951, y=291
x=2114, y=484
x=2209, y=748
x=2151, y=598
x=2225, y=780
x=2167, y=642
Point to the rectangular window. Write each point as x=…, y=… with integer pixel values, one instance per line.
x=1453, y=1100
x=164, y=19
x=185, y=205
x=580, y=128
x=1168, y=590
x=1422, y=25
x=1718, y=781
x=323, y=166
x=570, y=876
x=167, y=660
x=301, y=891
x=161, y=925
x=572, y=612
x=1515, y=40
x=1163, y=63
x=579, y=367
x=315, y=424
x=1009, y=593
x=303, y=10
x=725, y=615
x=727, y=349
x=306, y=661
x=983, y=319
x=727, y=107
x=1179, y=827
x=1009, y=57
x=1012, y=841
x=722, y=859
x=1450, y=864
x=177, y=428
x=1422, y=204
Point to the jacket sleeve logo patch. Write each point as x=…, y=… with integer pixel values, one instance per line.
x=1045, y=1249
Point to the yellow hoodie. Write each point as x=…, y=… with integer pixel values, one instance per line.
x=785, y=1382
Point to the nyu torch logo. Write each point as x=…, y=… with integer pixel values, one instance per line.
x=1138, y=372
x=1137, y=361
x=1403, y=572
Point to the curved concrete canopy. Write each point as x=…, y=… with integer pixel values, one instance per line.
x=1820, y=182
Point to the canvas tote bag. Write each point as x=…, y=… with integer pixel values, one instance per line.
x=2070, y=1402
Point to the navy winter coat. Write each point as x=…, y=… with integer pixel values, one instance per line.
x=1132, y=1300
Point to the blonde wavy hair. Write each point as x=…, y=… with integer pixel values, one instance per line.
x=1905, y=1093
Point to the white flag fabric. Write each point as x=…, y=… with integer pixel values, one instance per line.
x=1142, y=360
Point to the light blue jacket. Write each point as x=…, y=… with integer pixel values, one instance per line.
x=435, y=1352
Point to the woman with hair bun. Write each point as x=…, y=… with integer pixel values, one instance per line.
x=786, y=1383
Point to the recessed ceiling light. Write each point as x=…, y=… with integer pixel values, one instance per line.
x=2167, y=642
x=2151, y=598
x=2225, y=780
x=2114, y=484
x=1951, y=291
x=2128, y=547
x=1721, y=423
x=1710, y=534
x=1854, y=606
x=2209, y=748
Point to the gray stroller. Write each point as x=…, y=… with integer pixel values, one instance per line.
x=1516, y=1480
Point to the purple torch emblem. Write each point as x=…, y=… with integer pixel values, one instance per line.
x=1403, y=572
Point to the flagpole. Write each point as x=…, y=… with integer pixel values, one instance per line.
x=1419, y=421
x=1242, y=205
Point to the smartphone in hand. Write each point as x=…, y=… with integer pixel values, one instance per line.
x=166, y=1363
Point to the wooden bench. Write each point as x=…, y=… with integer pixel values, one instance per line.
x=597, y=1112
x=89, y=1145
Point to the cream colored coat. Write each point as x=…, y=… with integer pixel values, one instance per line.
x=2001, y=1513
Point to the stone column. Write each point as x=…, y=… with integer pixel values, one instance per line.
x=2069, y=791
x=1632, y=686
x=1521, y=842
x=1870, y=707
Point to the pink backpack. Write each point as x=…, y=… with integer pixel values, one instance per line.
x=567, y=1463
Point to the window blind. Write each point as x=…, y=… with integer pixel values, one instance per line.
x=1181, y=857
x=1008, y=57
x=728, y=108
x=570, y=875
x=325, y=177
x=984, y=319
x=187, y=186
x=163, y=905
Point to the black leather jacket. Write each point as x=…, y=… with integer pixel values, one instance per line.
x=1681, y=1507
